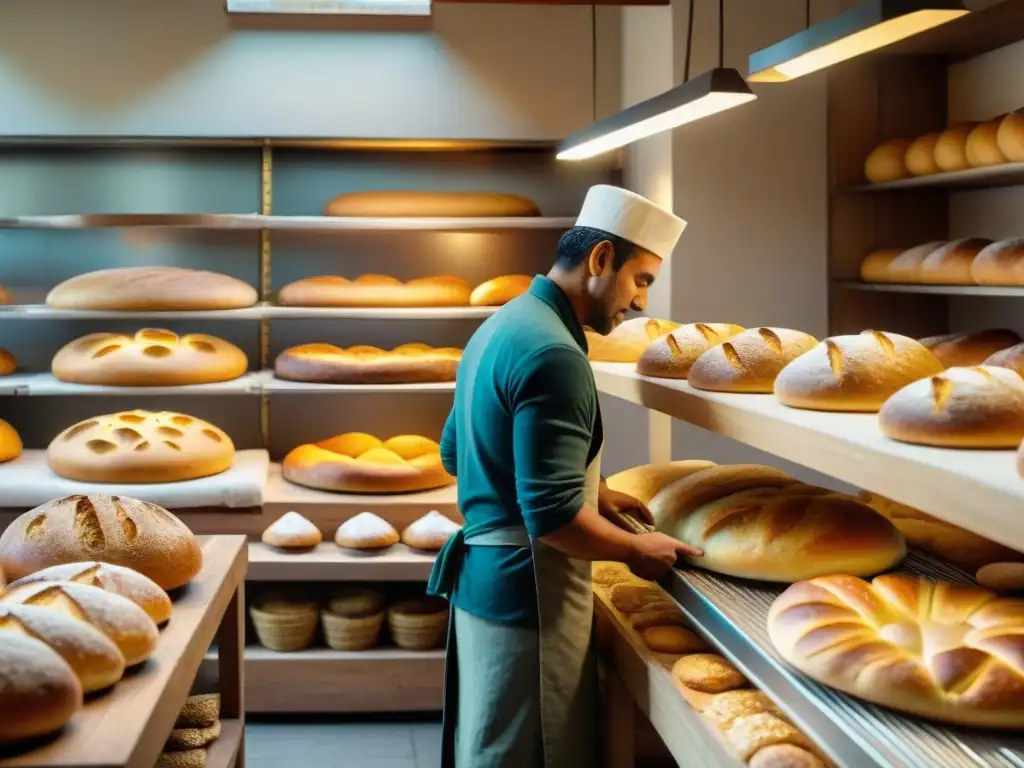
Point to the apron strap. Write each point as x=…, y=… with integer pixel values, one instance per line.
x=444, y=576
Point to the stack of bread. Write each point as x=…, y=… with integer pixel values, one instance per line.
x=429, y=204
x=363, y=532
x=969, y=261
x=196, y=728
x=628, y=340
x=406, y=364
x=151, y=289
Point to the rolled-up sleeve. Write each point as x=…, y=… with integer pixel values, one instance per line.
x=448, y=445
x=554, y=404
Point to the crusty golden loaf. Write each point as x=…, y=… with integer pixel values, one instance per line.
x=906, y=268
x=950, y=264
x=152, y=289
x=1010, y=136
x=41, y=692
x=10, y=442
x=376, y=291
x=875, y=267
x=1011, y=357
x=920, y=156
x=416, y=203
x=628, y=340
x=672, y=356
x=968, y=349
x=887, y=161
x=500, y=290
x=644, y=482
x=951, y=148
x=405, y=364
x=1001, y=263
x=8, y=364
x=982, y=146
x=749, y=361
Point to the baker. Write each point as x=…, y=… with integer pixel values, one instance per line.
x=524, y=442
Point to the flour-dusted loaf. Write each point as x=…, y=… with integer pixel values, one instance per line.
x=875, y=267
x=950, y=264
x=1011, y=357
x=644, y=482
x=672, y=356
x=906, y=268
x=430, y=532
x=292, y=531
x=920, y=156
x=628, y=340
x=8, y=364
x=755, y=522
x=887, y=161
x=968, y=349
x=854, y=373
x=1010, y=136
x=376, y=291
x=951, y=148
x=140, y=447
x=982, y=146
x=113, y=529
x=749, y=361
x=981, y=407
x=406, y=364
x=40, y=691
x=1001, y=263
x=500, y=290
x=945, y=651
x=359, y=463
x=10, y=442
x=417, y=203
x=366, y=531
x=152, y=289
x=151, y=357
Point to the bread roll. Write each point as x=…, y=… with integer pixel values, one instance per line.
x=1001, y=263
x=359, y=463
x=375, y=291
x=951, y=148
x=755, y=523
x=672, y=356
x=8, y=364
x=141, y=590
x=365, y=531
x=192, y=738
x=628, y=340
x=920, y=156
x=644, y=482
x=500, y=290
x=140, y=447
x=430, y=532
x=405, y=364
x=199, y=710
x=125, y=623
x=40, y=691
x=672, y=640
x=887, y=161
x=663, y=614
x=875, y=267
x=292, y=531
x=707, y=673
x=10, y=442
x=633, y=596
x=114, y=529
x=945, y=651
x=1011, y=357
x=980, y=407
x=751, y=733
x=784, y=756
x=906, y=268
x=951, y=263
x=982, y=147
x=969, y=349
x=152, y=357
x=1002, y=577
x=749, y=361
x=151, y=289
x=854, y=373
x=387, y=203
x=1010, y=136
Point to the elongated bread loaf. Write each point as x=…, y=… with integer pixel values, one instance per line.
x=1011, y=357
x=1010, y=136
x=406, y=364
x=388, y=203
x=41, y=692
x=920, y=157
x=644, y=482
x=152, y=289
x=1001, y=263
x=968, y=349
x=672, y=356
x=500, y=290
x=876, y=265
x=951, y=263
x=951, y=148
x=982, y=146
x=628, y=340
x=906, y=268
x=10, y=442
x=749, y=361
x=376, y=291
x=887, y=161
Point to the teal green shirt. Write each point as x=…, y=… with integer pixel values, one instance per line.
x=520, y=449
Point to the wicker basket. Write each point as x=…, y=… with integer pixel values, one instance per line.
x=351, y=633
x=418, y=625
x=284, y=626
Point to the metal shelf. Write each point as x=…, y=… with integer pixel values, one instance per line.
x=45, y=384
x=257, y=312
x=379, y=313
x=272, y=385
x=941, y=290
x=1006, y=175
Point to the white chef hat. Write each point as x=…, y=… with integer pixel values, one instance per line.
x=632, y=217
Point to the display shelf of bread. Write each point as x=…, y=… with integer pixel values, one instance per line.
x=411, y=363
x=47, y=385
x=974, y=261
x=256, y=312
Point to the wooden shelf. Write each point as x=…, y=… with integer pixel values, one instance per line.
x=43, y=312
x=222, y=753
x=329, y=562
x=258, y=312
x=978, y=490
x=127, y=727
x=1006, y=175
x=45, y=384
x=378, y=313
x=939, y=290
x=272, y=385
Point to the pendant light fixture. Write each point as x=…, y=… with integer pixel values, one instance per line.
x=714, y=91
x=864, y=28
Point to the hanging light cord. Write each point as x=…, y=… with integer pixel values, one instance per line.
x=721, y=33
x=689, y=42
x=808, y=14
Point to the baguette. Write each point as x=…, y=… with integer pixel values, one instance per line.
x=876, y=265
x=375, y=291
x=672, y=356
x=388, y=203
x=406, y=364
x=951, y=263
x=749, y=361
x=906, y=268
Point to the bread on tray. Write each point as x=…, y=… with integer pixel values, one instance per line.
x=920, y=157
x=500, y=290
x=423, y=203
x=406, y=364
x=376, y=291
x=151, y=289
x=967, y=349
x=749, y=361
x=627, y=340
x=951, y=148
x=672, y=356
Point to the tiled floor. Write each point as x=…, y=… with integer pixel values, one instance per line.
x=339, y=745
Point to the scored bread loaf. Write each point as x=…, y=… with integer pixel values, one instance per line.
x=361, y=463
x=291, y=531
x=40, y=691
x=887, y=161
x=749, y=361
x=945, y=651
x=405, y=364
x=1001, y=263
x=875, y=267
x=981, y=407
x=500, y=290
x=414, y=203
x=906, y=268
x=1011, y=357
x=114, y=529
x=950, y=264
x=152, y=357
x=1010, y=136
x=366, y=531
x=430, y=532
x=10, y=442
x=376, y=291
x=951, y=148
x=140, y=447
x=628, y=340
x=982, y=146
x=854, y=373
x=755, y=522
x=8, y=364
x=920, y=157
x=672, y=356
x=152, y=289
x=967, y=349
x=644, y=482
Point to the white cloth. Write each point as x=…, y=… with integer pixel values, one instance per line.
x=632, y=217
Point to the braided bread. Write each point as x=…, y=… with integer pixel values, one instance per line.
x=749, y=361
x=672, y=356
x=406, y=364
x=376, y=291
x=628, y=340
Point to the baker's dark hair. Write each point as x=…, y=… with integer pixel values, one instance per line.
x=576, y=245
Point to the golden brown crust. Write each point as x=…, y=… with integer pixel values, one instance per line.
x=906, y=268
x=376, y=291
x=152, y=289
x=405, y=364
x=875, y=267
x=41, y=692
x=724, y=708
x=8, y=364
x=887, y=161
x=707, y=673
x=672, y=356
x=628, y=340
x=750, y=361
x=1011, y=357
x=1003, y=577
x=751, y=733
x=192, y=738
x=1001, y=263
x=417, y=203
x=784, y=756
x=644, y=482
x=10, y=442
x=1010, y=136
x=672, y=639
x=631, y=597
x=500, y=290
x=609, y=574
x=950, y=264
x=968, y=349
x=951, y=148
x=920, y=157
x=188, y=758
x=982, y=146
x=199, y=710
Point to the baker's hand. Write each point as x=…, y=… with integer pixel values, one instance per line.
x=655, y=553
x=610, y=502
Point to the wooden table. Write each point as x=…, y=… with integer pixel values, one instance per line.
x=127, y=727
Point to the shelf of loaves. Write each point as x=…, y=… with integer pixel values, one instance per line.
x=329, y=562
x=1014, y=291
x=258, y=312
x=977, y=490
x=1006, y=175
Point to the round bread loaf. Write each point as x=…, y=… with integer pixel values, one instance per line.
x=906, y=268
x=200, y=710
x=951, y=148
x=8, y=364
x=755, y=523
x=359, y=463
x=406, y=364
x=140, y=447
x=967, y=349
x=671, y=357
x=1010, y=136
x=430, y=532
x=1011, y=357
x=366, y=531
x=628, y=340
x=875, y=267
x=125, y=623
x=292, y=531
x=981, y=407
x=1001, y=263
x=887, y=161
x=950, y=264
x=114, y=529
x=854, y=373
x=671, y=639
x=644, y=482
x=10, y=442
x=387, y=203
x=151, y=289
x=141, y=590
x=632, y=596
x=920, y=157
x=945, y=651
x=982, y=147
x=153, y=357
x=500, y=290
x=40, y=691
x=375, y=291
x=749, y=361
x=707, y=673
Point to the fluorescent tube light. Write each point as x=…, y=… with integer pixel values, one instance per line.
x=862, y=29
x=331, y=7
x=714, y=91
